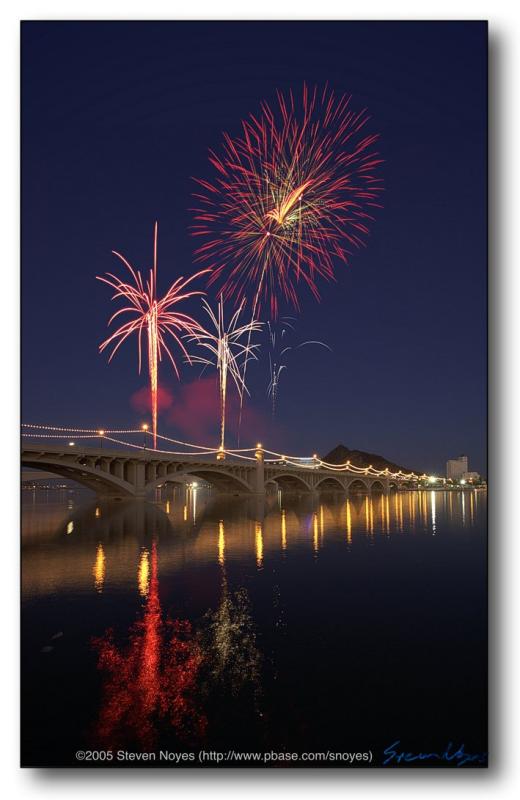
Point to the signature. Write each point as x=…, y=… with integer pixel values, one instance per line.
x=459, y=757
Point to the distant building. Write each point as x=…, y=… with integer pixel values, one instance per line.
x=456, y=467
x=471, y=477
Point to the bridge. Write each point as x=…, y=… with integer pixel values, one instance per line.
x=135, y=472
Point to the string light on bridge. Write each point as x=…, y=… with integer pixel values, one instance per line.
x=248, y=454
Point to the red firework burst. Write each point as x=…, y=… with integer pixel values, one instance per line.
x=293, y=192
x=156, y=317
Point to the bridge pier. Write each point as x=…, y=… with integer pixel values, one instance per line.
x=119, y=469
x=140, y=480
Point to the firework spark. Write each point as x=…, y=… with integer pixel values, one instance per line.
x=153, y=316
x=227, y=352
x=278, y=353
x=295, y=191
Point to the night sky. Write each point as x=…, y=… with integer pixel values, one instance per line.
x=116, y=120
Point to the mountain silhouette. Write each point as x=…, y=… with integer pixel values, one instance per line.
x=359, y=458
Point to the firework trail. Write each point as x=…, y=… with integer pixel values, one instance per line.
x=227, y=352
x=293, y=193
x=278, y=351
x=153, y=316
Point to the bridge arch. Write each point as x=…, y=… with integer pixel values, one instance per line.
x=90, y=477
x=377, y=487
x=175, y=478
x=330, y=483
x=291, y=482
x=358, y=486
x=222, y=480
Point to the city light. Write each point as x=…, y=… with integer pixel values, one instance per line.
x=432, y=479
x=71, y=444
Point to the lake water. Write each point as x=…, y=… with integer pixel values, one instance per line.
x=302, y=624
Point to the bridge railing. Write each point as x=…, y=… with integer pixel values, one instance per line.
x=141, y=440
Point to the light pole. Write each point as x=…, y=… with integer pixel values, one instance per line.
x=101, y=434
x=144, y=428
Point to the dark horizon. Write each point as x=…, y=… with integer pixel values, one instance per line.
x=116, y=119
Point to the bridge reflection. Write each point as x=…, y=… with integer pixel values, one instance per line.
x=184, y=663
x=112, y=541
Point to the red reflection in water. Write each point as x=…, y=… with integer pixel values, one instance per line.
x=151, y=683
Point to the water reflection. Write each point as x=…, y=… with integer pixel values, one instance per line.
x=166, y=673
x=149, y=683
x=105, y=535
x=143, y=573
x=211, y=615
x=259, y=545
x=221, y=544
x=230, y=677
x=349, y=522
x=99, y=568
x=284, y=529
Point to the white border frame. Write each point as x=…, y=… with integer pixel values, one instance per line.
x=503, y=777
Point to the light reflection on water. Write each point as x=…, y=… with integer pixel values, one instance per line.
x=106, y=554
x=204, y=615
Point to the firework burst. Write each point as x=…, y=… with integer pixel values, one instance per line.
x=293, y=193
x=278, y=354
x=227, y=352
x=152, y=316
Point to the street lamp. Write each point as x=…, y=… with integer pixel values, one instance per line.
x=144, y=428
x=101, y=434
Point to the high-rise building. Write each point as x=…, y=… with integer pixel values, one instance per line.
x=456, y=467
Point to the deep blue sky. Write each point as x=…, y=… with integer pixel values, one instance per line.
x=117, y=117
